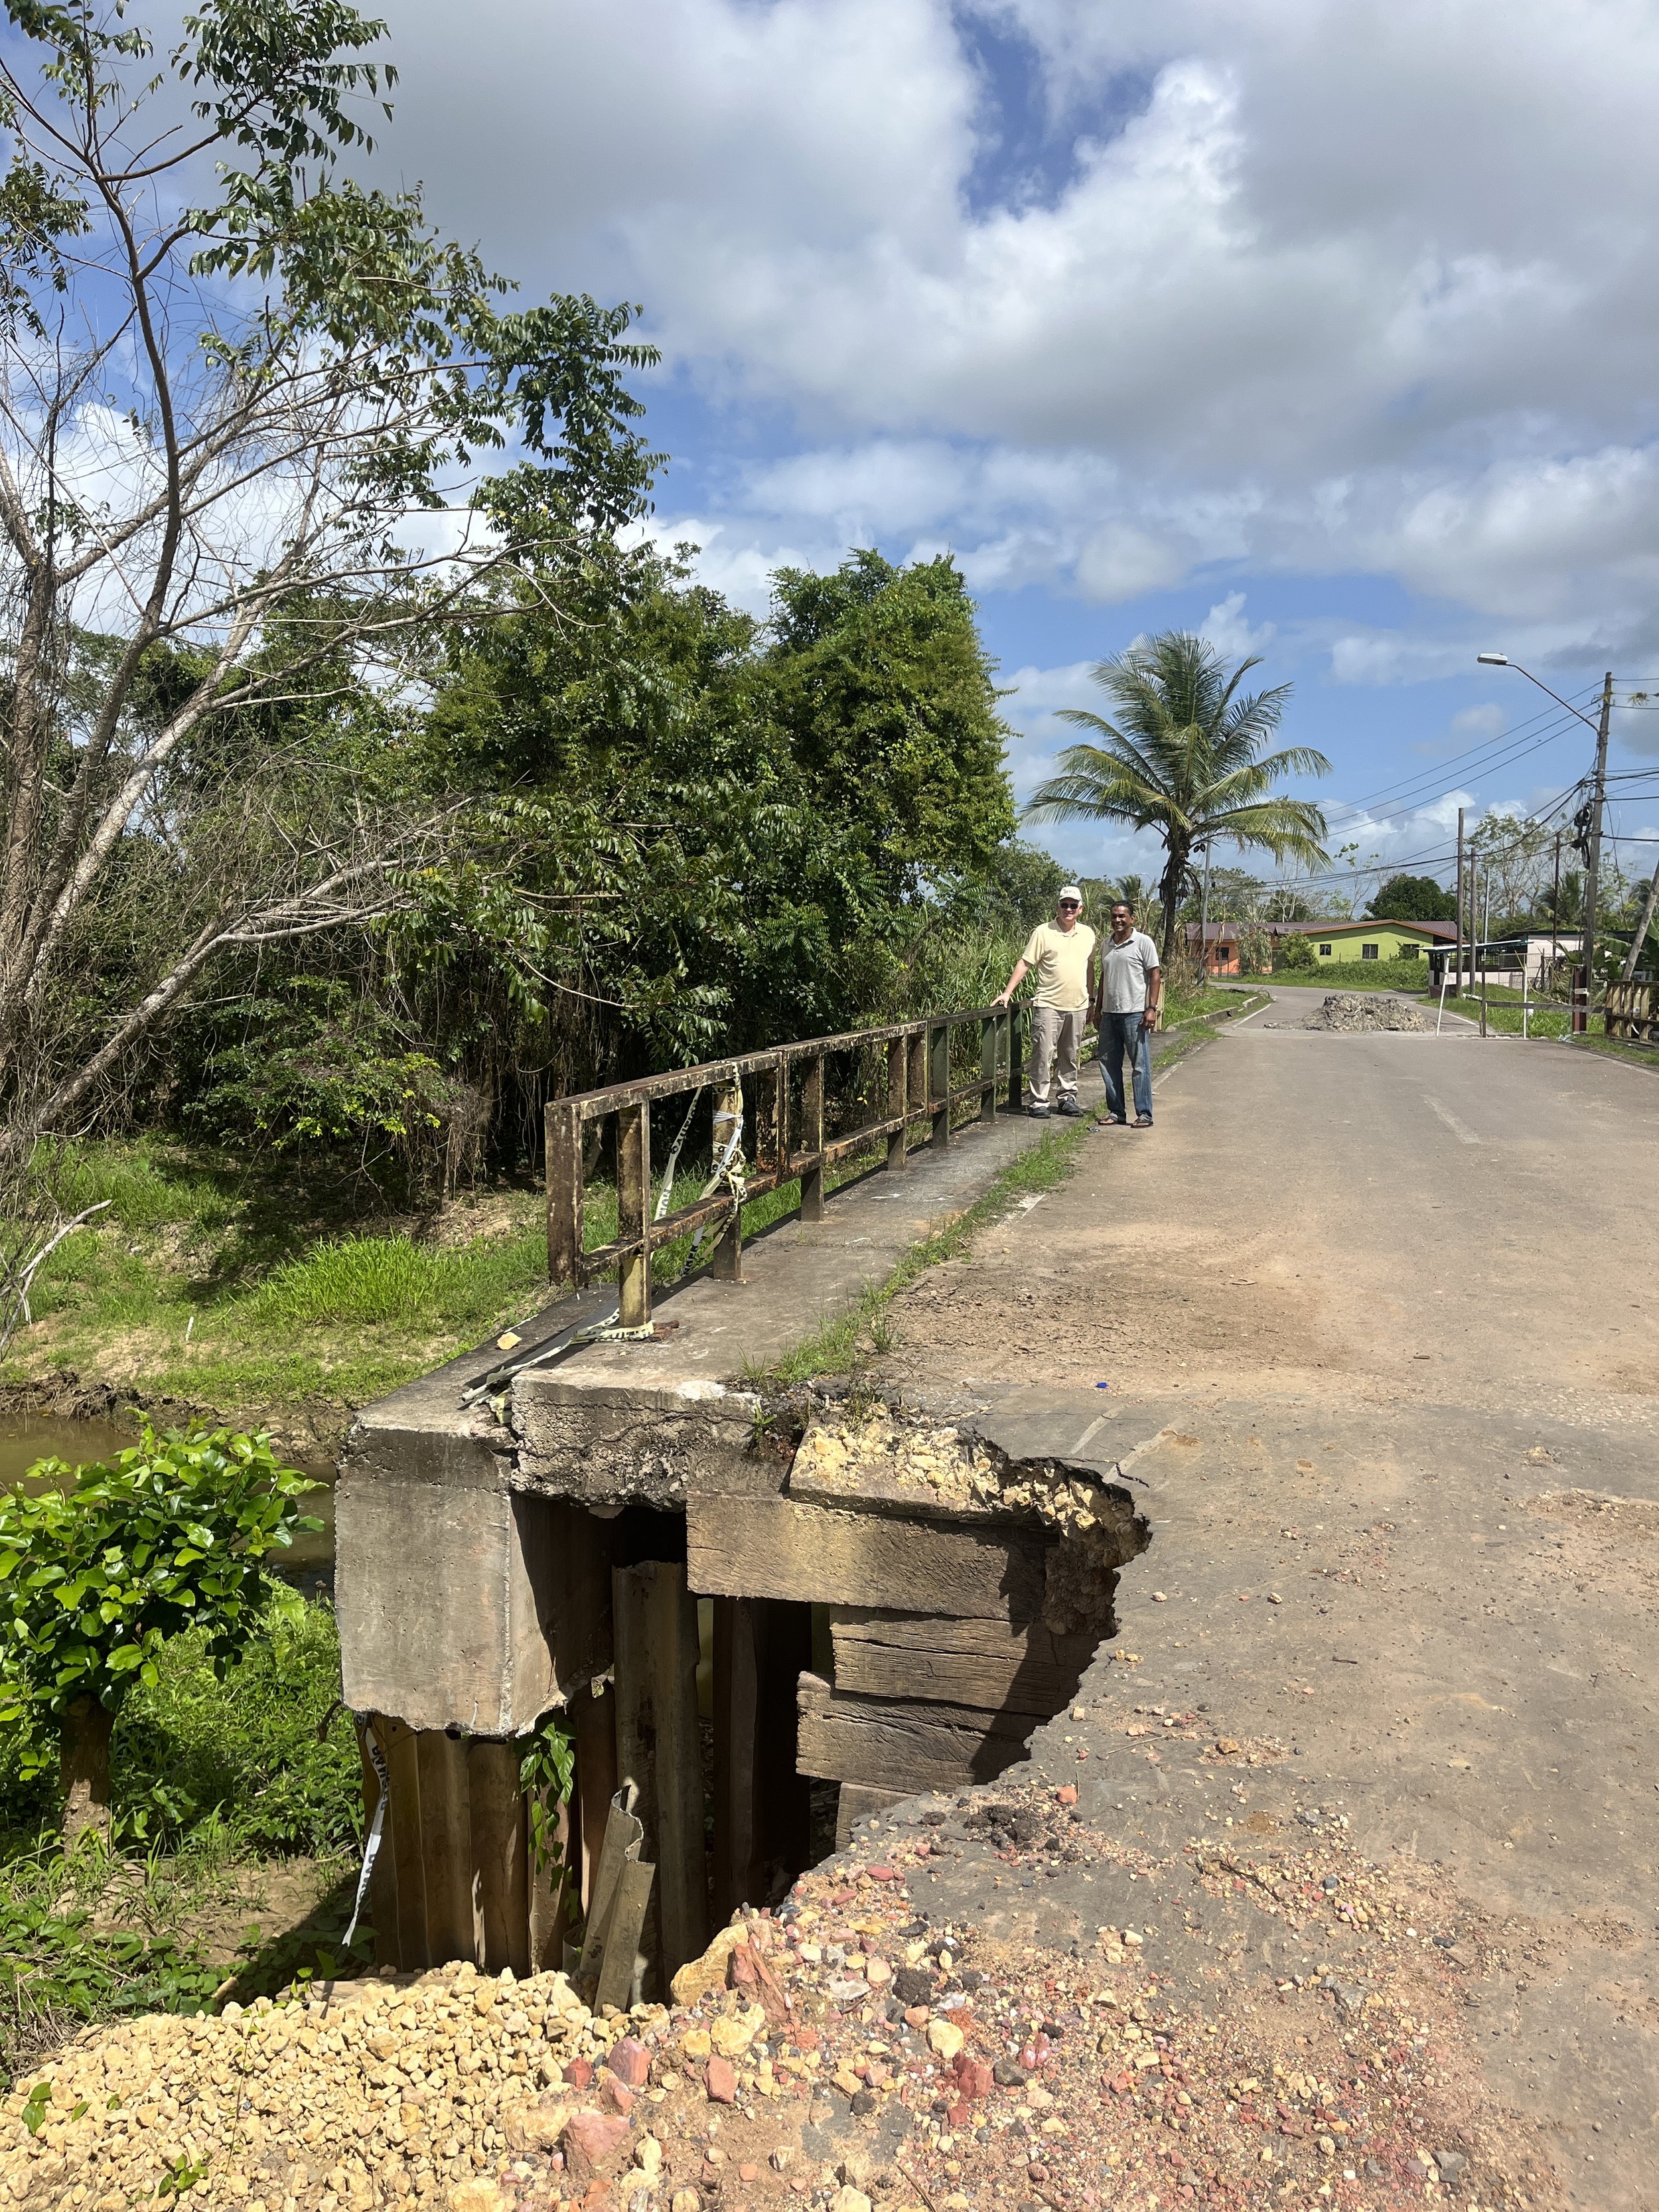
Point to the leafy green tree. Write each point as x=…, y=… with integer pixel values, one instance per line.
x=878, y=677
x=1413, y=898
x=103, y=1563
x=225, y=411
x=1295, y=953
x=1184, y=758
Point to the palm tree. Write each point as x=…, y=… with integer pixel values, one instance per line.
x=1184, y=758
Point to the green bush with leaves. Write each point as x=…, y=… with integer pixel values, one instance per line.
x=108, y=1562
x=1294, y=953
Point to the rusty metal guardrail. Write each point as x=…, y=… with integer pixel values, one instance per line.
x=786, y=1121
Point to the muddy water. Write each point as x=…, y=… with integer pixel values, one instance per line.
x=27, y=1438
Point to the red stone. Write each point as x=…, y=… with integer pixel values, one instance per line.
x=806, y=2038
x=884, y=1874
x=629, y=2061
x=592, y=2141
x=1120, y=2084
x=748, y=2173
x=958, y=2114
x=617, y=2093
x=973, y=2076
x=578, y=2073
x=722, y=2081
x=1067, y=1795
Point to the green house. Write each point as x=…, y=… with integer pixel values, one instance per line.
x=1375, y=940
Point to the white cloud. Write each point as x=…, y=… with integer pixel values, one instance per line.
x=1231, y=635
x=1482, y=721
x=1326, y=286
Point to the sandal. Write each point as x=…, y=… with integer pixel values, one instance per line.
x=1143, y=1121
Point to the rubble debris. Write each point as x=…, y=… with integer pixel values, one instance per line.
x=1349, y=1010
x=904, y=2062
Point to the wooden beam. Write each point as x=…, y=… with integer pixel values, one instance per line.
x=903, y=1748
x=383, y=1882
x=898, y=1052
x=811, y=1137
x=778, y=1547
x=445, y=1846
x=400, y=1744
x=763, y=1805
x=593, y=1724
x=660, y=1749
x=982, y=1663
x=500, y=1872
x=854, y=1802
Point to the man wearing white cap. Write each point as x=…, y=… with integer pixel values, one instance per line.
x=1062, y=953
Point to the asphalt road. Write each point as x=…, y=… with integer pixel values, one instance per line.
x=1377, y=1318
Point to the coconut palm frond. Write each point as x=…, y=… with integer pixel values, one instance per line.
x=1184, y=753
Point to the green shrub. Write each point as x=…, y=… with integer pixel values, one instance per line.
x=105, y=1565
x=245, y=1753
x=1294, y=953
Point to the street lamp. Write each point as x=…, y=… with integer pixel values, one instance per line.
x=1598, y=790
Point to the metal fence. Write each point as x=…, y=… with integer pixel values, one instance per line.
x=776, y=1116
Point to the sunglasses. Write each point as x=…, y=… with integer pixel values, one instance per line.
x=1070, y=906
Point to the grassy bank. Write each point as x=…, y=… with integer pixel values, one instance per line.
x=237, y=1808
x=240, y=1290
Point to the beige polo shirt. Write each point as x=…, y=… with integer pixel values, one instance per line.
x=1060, y=958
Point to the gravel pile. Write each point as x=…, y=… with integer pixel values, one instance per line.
x=1361, y=1010
x=858, y=2053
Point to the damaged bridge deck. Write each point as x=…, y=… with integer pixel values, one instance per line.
x=727, y=1592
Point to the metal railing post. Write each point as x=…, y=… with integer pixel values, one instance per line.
x=633, y=1213
x=897, y=1054
x=915, y=1082
x=812, y=1140
x=563, y=1140
x=939, y=1082
x=727, y=1264
x=1015, y=1062
x=988, y=1067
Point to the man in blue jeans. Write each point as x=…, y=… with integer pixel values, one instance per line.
x=1130, y=991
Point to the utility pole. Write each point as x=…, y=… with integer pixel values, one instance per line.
x=1457, y=986
x=1555, y=915
x=1593, y=859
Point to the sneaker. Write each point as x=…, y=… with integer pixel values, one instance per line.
x=1038, y=1113
x=1068, y=1107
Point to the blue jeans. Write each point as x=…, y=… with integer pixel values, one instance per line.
x=1120, y=1034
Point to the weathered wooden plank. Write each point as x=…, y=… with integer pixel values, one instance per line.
x=593, y=1724
x=763, y=1806
x=856, y=1803
x=623, y=1965
x=552, y=1885
x=501, y=1874
x=779, y=1547
x=659, y=1748
x=445, y=1845
x=903, y=1748
x=383, y=1882
x=984, y=1663
x=400, y=1744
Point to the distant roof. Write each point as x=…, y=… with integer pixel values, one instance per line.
x=1446, y=930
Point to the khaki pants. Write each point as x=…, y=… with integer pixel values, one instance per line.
x=1056, y=1035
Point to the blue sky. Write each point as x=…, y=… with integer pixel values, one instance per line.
x=1323, y=325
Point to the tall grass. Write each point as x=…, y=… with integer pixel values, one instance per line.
x=362, y=1280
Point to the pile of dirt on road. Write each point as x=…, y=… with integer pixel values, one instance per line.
x=1356, y=1010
